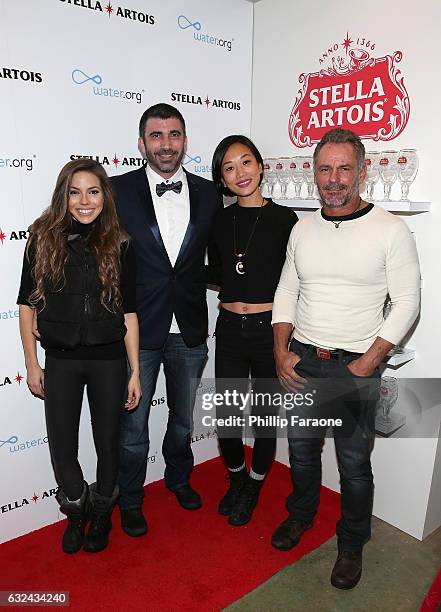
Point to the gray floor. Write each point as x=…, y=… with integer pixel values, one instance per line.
x=397, y=573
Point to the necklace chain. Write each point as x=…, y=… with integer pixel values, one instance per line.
x=240, y=267
x=337, y=223
x=241, y=255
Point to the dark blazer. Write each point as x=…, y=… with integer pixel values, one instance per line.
x=163, y=289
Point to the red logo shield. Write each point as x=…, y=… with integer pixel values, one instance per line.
x=356, y=92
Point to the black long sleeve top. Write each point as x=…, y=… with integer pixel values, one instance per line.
x=263, y=259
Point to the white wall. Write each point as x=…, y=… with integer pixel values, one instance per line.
x=50, y=112
x=289, y=39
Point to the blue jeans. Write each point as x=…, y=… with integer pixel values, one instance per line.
x=353, y=450
x=182, y=368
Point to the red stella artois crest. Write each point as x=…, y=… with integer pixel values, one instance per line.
x=354, y=91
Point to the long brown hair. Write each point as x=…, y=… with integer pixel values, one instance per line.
x=49, y=234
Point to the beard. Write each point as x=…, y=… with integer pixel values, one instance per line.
x=167, y=166
x=340, y=198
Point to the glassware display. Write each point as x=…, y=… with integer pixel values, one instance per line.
x=283, y=174
x=407, y=170
x=297, y=176
x=264, y=184
x=270, y=174
x=372, y=161
x=388, y=171
x=308, y=175
x=386, y=422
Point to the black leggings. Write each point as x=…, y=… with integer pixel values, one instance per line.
x=64, y=382
x=244, y=346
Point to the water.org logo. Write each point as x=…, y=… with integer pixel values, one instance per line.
x=18, y=74
x=8, y=162
x=195, y=27
x=194, y=162
x=94, y=84
x=119, y=11
x=12, y=313
x=14, y=445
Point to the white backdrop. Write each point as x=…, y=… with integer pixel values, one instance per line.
x=75, y=77
x=291, y=39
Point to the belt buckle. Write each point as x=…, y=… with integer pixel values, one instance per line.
x=323, y=353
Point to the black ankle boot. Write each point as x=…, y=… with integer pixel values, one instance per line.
x=97, y=537
x=237, y=481
x=246, y=502
x=76, y=512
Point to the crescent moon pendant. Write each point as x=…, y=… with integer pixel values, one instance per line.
x=240, y=268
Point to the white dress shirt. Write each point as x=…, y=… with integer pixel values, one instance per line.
x=172, y=212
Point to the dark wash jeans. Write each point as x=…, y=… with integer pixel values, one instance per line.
x=353, y=451
x=182, y=368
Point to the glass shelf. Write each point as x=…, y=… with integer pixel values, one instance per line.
x=396, y=359
x=393, y=206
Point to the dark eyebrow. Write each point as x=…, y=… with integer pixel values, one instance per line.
x=241, y=157
x=92, y=187
x=174, y=131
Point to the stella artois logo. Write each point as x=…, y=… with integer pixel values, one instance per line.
x=352, y=90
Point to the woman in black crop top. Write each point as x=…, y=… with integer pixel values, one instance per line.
x=79, y=278
x=246, y=255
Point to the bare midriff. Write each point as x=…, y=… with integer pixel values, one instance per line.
x=244, y=308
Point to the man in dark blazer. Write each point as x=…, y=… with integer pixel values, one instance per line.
x=168, y=213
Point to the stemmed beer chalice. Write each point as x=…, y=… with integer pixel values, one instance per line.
x=297, y=176
x=407, y=170
x=372, y=161
x=308, y=175
x=388, y=171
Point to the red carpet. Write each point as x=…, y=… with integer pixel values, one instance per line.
x=432, y=602
x=188, y=561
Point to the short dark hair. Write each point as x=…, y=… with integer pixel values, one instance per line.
x=219, y=154
x=160, y=111
x=339, y=136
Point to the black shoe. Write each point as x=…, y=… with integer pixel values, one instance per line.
x=347, y=569
x=237, y=481
x=76, y=512
x=133, y=522
x=288, y=534
x=188, y=497
x=246, y=502
x=97, y=536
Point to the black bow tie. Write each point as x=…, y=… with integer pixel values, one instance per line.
x=161, y=188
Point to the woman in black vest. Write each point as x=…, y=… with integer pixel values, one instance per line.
x=79, y=278
x=246, y=255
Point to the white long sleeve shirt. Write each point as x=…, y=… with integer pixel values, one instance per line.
x=335, y=281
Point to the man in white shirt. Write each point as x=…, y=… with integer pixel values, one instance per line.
x=341, y=263
x=168, y=213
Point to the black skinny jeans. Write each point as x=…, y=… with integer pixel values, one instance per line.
x=64, y=382
x=244, y=347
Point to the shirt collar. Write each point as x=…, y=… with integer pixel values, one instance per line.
x=155, y=179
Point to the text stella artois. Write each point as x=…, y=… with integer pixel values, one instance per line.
x=355, y=92
x=346, y=103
